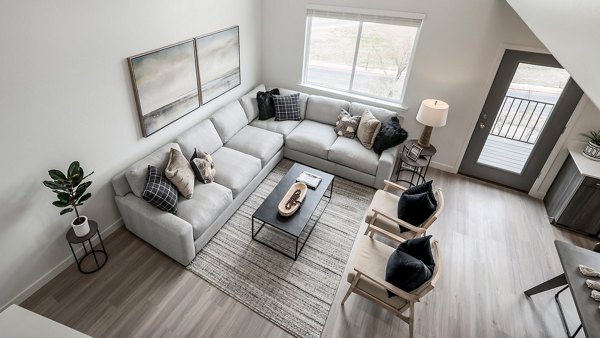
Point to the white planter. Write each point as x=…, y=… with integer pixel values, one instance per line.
x=592, y=151
x=81, y=229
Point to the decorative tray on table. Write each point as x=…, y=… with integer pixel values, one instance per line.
x=293, y=199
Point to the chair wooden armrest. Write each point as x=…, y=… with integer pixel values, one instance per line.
x=385, y=233
x=398, y=221
x=392, y=288
x=387, y=184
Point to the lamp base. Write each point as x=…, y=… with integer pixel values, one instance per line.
x=425, y=136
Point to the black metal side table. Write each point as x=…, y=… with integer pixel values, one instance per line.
x=95, y=253
x=417, y=169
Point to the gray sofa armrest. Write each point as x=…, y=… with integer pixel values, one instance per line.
x=387, y=161
x=165, y=231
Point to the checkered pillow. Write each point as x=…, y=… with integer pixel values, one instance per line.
x=287, y=108
x=159, y=191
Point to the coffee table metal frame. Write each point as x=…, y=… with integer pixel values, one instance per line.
x=296, y=252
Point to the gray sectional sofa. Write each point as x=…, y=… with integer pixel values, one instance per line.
x=244, y=150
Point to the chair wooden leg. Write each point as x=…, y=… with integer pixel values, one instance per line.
x=411, y=319
x=351, y=288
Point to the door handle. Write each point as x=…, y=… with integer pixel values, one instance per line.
x=481, y=125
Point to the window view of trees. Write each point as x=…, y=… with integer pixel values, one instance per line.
x=366, y=58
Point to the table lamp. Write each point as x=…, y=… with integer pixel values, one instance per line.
x=432, y=113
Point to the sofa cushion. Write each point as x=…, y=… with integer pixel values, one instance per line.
x=208, y=202
x=390, y=135
x=303, y=100
x=180, y=173
x=346, y=125
x=260, y=143
x=229, y=120
x=250, y=104
x=159, y=191
x=266, y=104
x=357, y=109
x=312, y=138
x=137, y=173
x=325, y=109
x=368, y=129
x=281, y=127
x=287, y=107
x=203, y=167
x=351, y=153
x=202, y=136
x=235, y=169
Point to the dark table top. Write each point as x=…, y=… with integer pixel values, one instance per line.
x=570, y=258
x=293, y=225
x=74, y=239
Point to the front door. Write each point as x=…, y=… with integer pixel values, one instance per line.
x=530, y=101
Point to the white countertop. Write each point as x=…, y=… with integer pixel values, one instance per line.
x=586, y=166
x=17, y=322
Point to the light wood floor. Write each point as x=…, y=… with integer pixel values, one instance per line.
x=495, y=243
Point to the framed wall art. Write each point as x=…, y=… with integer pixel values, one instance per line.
x=414, y=152
x=218, y=56
x=165, y=84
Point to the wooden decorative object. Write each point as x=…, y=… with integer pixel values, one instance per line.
x=293, y=199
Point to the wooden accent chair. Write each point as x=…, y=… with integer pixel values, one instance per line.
x=367, y=277
x=383, y=212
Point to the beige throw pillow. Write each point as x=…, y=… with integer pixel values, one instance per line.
x=346, y=124
x=180, y=173
x=368, y=129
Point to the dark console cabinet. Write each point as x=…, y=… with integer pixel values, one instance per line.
x=573, y=200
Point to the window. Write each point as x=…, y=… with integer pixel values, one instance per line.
x=364, y=54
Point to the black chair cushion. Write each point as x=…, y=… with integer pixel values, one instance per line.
x=405, y=272
x=419, y=248
x=415, y=209
x=421, y=188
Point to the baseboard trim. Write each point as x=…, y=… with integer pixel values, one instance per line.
x=60, y=267
x=443, y=167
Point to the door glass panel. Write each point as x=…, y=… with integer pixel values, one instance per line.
x=527, y=105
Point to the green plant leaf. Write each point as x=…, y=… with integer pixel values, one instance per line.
x=60, y=204
x=82, y=188
x=64, y=211
x=73, y=169
x=63, y=197
x=53, y=185
x=84, y=198
x=57, y=175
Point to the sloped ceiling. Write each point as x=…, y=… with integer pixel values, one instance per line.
x=570, y=29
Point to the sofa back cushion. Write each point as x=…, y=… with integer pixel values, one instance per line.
x=302, y=100
x=136, y=174
x=249, y=103
x=357, y=109
x=229, y=120
x=324, y=109
x=203, y=136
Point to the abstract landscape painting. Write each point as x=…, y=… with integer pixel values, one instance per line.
x=218, y=62
x=165, y=85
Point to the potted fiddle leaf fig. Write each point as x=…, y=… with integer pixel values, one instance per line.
x=592, y=148
x=70, y=189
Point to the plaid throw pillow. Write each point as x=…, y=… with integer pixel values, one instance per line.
x=287, y=108
x=159, y=191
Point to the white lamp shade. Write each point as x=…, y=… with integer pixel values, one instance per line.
x=433, y=113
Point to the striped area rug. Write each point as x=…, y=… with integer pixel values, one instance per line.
x=295, y=295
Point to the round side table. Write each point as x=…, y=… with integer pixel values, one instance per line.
x=417, y=169
x=95, y=253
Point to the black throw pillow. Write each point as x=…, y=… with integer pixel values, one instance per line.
x=415, y=209
x=419, y=248
x=390, y=135
x=405, y=272
x=159, y=191
x=421, y=188
x=266, y=107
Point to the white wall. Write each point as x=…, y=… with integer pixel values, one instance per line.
x=570, y=30
x=65, y=95
x=456, y=57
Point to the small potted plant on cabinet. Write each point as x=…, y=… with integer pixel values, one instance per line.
x=70, y=191
x=592, y=148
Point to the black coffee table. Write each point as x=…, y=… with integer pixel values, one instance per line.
x=293, y=225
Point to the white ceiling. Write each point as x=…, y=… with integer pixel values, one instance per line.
x=571, y=31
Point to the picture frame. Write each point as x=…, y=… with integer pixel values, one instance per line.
x=165, y=84
x=414, y=152
x=218, y=62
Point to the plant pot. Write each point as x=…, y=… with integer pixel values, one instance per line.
x=592, y=151
x=81, y=229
